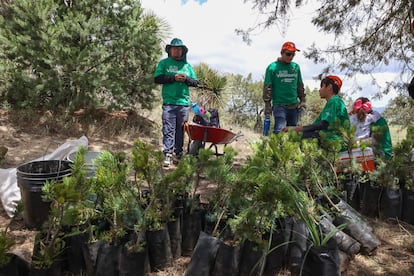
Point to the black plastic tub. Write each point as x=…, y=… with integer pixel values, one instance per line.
x=31, y=178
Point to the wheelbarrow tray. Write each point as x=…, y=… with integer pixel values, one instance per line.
x=214, y=135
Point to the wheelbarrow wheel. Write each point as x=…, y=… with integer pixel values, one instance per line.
x=195, y=146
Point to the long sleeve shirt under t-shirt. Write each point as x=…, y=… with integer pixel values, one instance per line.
x=336, y=114
x=175, y=93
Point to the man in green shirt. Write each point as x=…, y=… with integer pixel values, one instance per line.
x=332, y=117
x=176, y=75
x=283, y=89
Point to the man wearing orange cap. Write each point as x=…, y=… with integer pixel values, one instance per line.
x=283, y=89
x=332, y=117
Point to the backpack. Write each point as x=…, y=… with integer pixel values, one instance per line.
x=214, y=117
x=203, y=120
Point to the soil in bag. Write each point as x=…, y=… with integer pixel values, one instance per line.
x=191, y=229
x=252, y=259
x=159, y=249
x=107, y=261
x=297, y=246
x=391, y=203
x=17, y=266
x=322, y=260
x=133, y=263
x=204, y=254
x=90, y=254
x=174, y=230
x=276, y=258
x=75, y=261
x=370, y=202
x=227, y=260
x=408, y=206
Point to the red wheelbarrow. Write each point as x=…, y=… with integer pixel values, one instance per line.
x=199, y=135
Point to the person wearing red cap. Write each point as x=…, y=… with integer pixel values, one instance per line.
x=333, y=116
x=371, y=127
x=283, y=91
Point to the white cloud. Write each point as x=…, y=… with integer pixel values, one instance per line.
x=208, y=30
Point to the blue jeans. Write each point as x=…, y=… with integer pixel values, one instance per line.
x=173, y=118
x=284, y=117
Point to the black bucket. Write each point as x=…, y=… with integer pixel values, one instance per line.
x=30, y=178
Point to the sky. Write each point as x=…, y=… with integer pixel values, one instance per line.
x=207, y=28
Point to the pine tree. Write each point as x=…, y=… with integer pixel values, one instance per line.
x=77, y=54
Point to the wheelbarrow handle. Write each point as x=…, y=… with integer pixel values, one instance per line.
x=186, y=127
x=237, y=136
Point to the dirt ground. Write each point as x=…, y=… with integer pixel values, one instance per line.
x=28, y=138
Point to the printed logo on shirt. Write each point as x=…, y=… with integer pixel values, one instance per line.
x=175, y=69
x=285, y=76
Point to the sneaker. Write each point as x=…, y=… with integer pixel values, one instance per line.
x=167, y=160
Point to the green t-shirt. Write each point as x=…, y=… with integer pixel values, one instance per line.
x=284, y=79
x=336, y=114
x=382, y=135
x=176, y=93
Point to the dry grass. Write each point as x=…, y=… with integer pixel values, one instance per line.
x=395, y=256
x=178, y=268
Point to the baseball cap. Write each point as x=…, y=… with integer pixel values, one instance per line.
x=336, y=80
x=289, y=46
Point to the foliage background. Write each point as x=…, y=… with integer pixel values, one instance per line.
x=78, y=54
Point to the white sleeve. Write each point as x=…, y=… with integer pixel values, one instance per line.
x=375, y=116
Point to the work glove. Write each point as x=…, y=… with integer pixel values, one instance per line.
x=267, y=93
x=268, y=109
x=302, y=108
x=164, y=79
x=191, y=82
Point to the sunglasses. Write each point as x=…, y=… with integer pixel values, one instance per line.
x=289, y=54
